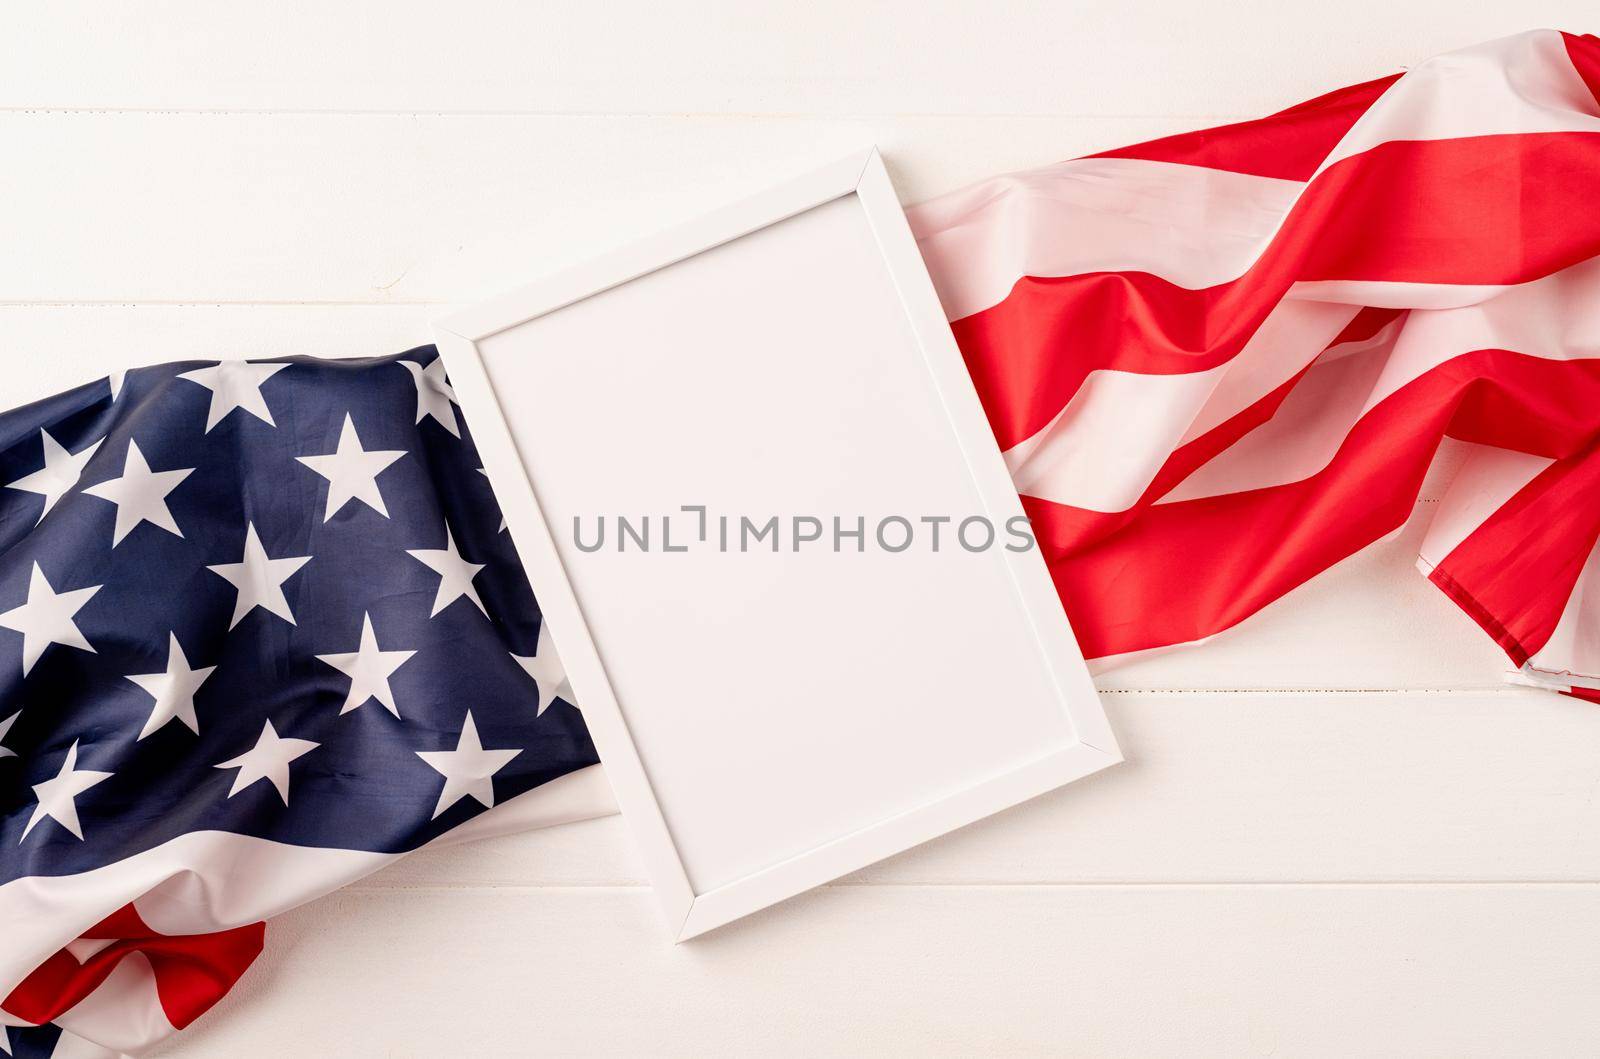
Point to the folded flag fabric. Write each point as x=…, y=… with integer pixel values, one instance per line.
x=247, y=656
x=260, y=634
x=1220, y=362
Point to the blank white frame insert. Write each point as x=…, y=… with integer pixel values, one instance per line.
x=773, y=719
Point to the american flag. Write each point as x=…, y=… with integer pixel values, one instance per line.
x=1221, y=362
x=260, y=634
x=1218, y=363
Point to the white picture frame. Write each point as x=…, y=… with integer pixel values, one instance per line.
x=801, y=784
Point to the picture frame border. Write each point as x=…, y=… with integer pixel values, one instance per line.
x=688, y=913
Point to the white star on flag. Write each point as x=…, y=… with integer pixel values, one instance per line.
x=173, y=691
x=46, y=618
x=468, y=770
x=433, y=394
x=140, y=495
x=548, y=674
x=268, y=760
x=57, y=797
x=259, y=579
x=352, y=472
x=235, y=384
x=60, y=473
x=369, y=670
x=455, y=573
x=5, y=727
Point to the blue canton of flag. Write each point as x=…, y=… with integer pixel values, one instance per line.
x=270, y=599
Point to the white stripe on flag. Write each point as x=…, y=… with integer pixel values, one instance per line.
x=1520, y=84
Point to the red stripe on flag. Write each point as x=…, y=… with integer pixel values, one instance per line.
x=1076, y=528
x=192, y=971
x=1477, y=210
x=1515, y=573
x=1184, y=571
x=1366, y=324
x=1584, y=52
x=1288, y=145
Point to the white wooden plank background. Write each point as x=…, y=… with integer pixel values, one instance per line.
x=1336, y=833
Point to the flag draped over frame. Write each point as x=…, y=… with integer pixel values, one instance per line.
x=1220, y=362
x=233, y=596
